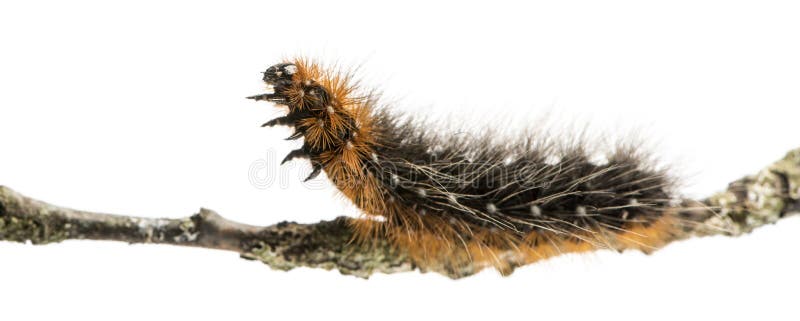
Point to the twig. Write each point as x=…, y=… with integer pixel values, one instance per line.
x=748, y=203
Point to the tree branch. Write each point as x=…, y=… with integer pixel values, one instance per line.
x=282, y=246
x=747, y=204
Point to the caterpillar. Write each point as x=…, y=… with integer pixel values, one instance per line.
x=452, y=200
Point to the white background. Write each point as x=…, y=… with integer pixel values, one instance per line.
x=139, y=109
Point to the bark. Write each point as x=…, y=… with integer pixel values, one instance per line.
x=748, y=203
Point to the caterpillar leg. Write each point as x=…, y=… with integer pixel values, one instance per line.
x=297, y=153
x=280, y=121
x=275, y=98
x=314, y=172
x=296, y=135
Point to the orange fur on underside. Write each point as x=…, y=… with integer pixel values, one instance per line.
x=432, y=241
x=435, y=243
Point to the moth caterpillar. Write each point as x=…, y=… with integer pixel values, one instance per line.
x=450, y=200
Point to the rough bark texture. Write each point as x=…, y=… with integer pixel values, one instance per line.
x=748, y=203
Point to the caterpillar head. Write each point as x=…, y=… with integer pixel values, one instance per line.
x=279, y=77
x=280, y=73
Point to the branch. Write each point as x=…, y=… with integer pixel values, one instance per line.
x=747, y=204
x=282, y=246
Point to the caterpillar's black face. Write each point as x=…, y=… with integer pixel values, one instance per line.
x=279, y=77
x=279, y=73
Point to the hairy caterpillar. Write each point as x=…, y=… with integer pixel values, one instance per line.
x=450, y=200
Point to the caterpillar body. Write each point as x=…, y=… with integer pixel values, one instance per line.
x=455, y=200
